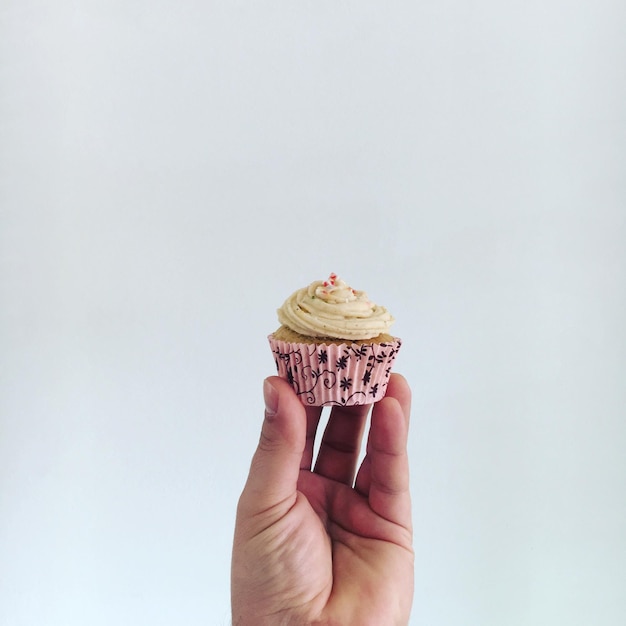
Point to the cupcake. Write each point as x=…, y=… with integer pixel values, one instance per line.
x=333, y=346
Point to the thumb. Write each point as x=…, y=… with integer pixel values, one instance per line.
x=275, y=466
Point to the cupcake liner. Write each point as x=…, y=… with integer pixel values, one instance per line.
x=336, y=375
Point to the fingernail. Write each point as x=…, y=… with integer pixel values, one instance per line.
x=271, y=399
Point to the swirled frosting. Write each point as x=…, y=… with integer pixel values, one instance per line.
x=333, y=309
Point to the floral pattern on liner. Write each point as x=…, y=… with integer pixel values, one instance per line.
x=339, y=375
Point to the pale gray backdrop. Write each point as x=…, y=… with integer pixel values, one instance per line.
x=171, y=171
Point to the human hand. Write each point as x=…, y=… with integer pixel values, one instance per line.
x=317, y=546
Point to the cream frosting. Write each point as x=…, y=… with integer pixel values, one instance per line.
x=331, y=308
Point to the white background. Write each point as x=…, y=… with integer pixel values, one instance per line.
x=171, y=171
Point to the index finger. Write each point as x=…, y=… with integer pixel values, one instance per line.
x=389, y=494
x=313, y=414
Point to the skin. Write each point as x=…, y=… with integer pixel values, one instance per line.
x=329, y=544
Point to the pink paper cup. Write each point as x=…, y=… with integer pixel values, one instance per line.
x=336, y=375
